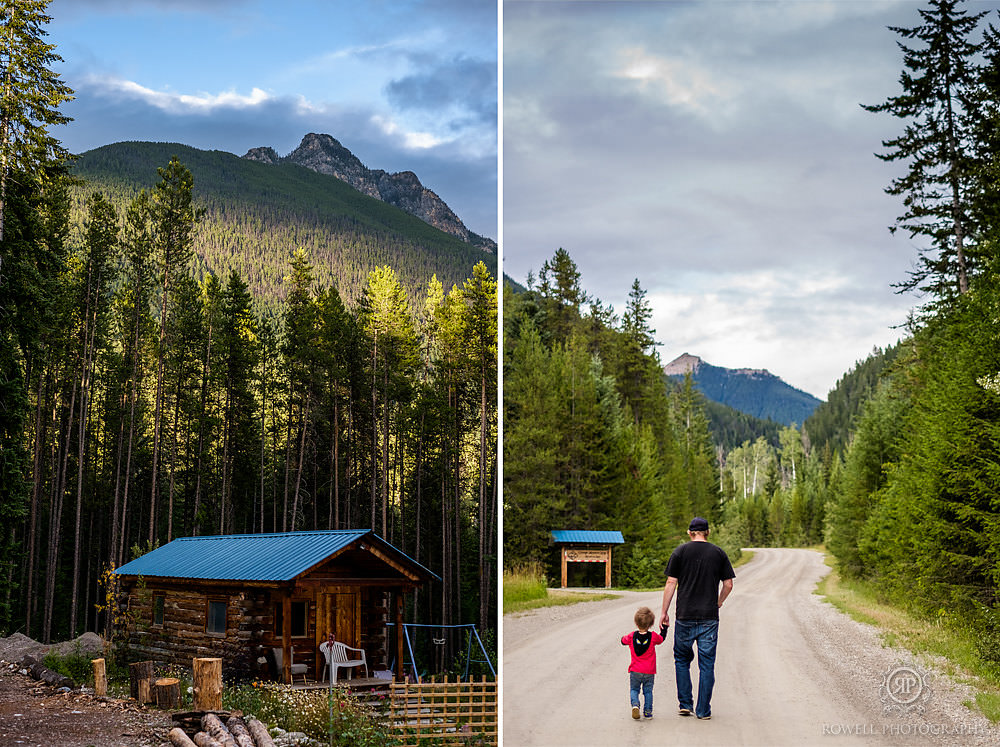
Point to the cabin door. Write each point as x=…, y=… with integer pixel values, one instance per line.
x=338, y=611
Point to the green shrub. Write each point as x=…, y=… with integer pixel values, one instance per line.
x=76, y=666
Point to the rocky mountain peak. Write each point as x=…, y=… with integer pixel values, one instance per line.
x=682, y=365
x=263, y=155
x=326, y=155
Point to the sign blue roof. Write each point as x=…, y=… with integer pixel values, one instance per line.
x=253, y=557
x=575, y=536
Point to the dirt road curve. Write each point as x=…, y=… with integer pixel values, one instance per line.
x=791, y=670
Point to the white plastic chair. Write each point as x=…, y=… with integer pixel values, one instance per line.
x=296, y=668
x=337, y=658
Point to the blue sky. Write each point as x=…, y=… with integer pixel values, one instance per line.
x=404, y=84
x=717, y=152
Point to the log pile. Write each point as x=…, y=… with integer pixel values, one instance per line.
x=234, y=732
x=39, y=671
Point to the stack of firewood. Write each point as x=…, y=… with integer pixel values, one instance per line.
x=235, y=732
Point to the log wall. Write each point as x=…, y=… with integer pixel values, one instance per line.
x=250, y=634
x=183, y=636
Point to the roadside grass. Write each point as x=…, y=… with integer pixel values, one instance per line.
x=745, y=557
x=899, y=626
x=525, y=588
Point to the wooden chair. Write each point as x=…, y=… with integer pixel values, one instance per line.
x=279, y=660
x=336, y=658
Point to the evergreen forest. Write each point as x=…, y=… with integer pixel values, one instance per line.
x=151, y=390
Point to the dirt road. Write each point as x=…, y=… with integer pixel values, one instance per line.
x=791, y=670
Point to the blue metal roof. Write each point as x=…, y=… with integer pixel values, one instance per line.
x=250, y=557
x=587, y=537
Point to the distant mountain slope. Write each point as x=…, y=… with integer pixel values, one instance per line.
x=326, y=155
x=756, y=392
x=833, y=421
x=257, y=215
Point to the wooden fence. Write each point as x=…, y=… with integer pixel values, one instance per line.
x=445, y=713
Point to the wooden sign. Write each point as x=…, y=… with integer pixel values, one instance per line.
x=577, y=555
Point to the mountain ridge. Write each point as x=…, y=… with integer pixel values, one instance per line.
x=257, y=216
x=325, y=154
x=754, y=391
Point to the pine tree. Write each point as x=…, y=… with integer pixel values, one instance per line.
x=174, y=218
x=31, y=95
x=938, y=101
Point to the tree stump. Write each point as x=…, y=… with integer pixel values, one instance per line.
x=100, y=677
x=208, y=684
x=168, y=693
x=140, y=677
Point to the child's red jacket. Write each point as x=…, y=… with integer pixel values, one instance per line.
x=642, y=646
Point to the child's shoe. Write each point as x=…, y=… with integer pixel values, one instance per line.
x=635, y=712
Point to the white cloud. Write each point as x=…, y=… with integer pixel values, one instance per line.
x=679, y=82
x=179, y=103
x=411, y=140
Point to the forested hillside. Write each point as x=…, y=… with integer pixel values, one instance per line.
x=257, y=215
x=756, y=392
x=266, y=350
x=907, y=489
x=593, y=436
x=831, y=425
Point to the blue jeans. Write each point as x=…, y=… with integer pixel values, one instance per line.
x=645, y=681
x=706, y=634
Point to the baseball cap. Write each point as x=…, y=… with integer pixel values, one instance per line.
x=698, y=524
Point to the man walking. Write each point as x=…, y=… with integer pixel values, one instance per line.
x=694, y=572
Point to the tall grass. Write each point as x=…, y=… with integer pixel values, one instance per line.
x=523, y=584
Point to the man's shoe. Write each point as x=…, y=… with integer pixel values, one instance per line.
x=705, y=718
x=683, y=711
x=648, y=715
x=635, y=712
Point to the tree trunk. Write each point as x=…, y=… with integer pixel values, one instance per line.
x=206, y=372
x=158, y=405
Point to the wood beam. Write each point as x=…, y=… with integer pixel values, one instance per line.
x=286, y=637
x=399, y=636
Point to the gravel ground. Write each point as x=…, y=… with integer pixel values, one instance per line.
x=792, y=670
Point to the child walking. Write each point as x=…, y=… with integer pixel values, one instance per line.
x=642, y=645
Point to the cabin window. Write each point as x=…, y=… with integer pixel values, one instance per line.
x=299, y=618
x=158, y=609
x=216, y=622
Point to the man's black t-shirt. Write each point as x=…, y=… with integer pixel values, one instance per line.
x=698, y=568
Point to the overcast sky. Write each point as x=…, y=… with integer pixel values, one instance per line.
x=403, y=84
x=717, y=152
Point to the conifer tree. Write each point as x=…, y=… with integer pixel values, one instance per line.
x=938, y=102
x=30, y=95
x=174, y=218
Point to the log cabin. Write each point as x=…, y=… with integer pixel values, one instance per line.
x=241, y=596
